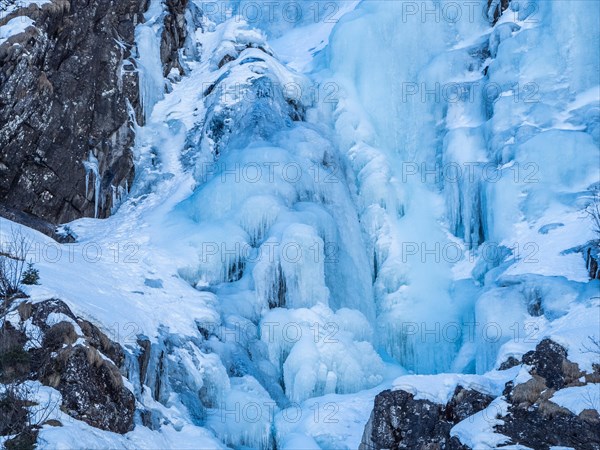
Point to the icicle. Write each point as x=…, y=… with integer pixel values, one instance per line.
x=91, y=166
x=147, y=37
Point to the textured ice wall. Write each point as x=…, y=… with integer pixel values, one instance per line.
x=464, y=130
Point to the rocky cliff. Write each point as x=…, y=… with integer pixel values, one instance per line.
x=46, y=343
x=66, y=84
x=529, y=417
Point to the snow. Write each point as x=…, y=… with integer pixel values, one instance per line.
x=13, y=27
x=578, y=398
x=572, y=331
x=326, y=209
x=54, y=318
x=72, y=433
x=299, y=46
x=478, y=432
x=13, y=6
x=440, y=388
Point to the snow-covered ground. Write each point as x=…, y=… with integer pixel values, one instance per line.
x=337, y=251
x=14, y=26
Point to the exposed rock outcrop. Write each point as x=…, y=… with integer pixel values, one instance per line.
x=591, y=254
x=398, y=421
x=533, y=419
x=64, y=86
x=174, y=35
x=496, y=8
x=71, y=355
x=68, y=88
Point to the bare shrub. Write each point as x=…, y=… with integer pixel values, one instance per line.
x=13, y=261
x=593, y=211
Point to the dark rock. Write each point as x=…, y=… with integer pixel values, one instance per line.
x=63, y=333
x=33, y=222
x=533, y=419
x=174, y=36
x=509, y=363
x=92, y=388
x=541, y=426
x=465, y=403
x=62, y=97
x=398, y=421
x=39, y=312
x=534, y=304
x=100, y=341
x=143, y=357
x=496, y=12
x=591, y=253
x=82, y=367
x=549, y=361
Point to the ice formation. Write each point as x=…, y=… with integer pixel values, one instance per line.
x=147, y=36
x=91, y=168
x=462, y=158
x=425, y=217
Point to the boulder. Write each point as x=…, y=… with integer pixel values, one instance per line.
x=73, y=356
x=398, y=421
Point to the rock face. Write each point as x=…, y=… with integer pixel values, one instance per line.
x=74, y=357
x=398, y=421
x=174, y=35
x=62, y=96
x=535, y=421
x=65, y=84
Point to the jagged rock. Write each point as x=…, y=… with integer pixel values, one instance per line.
x=143, y=357
x=398, y=421
x=62, y=96
x=92, y=388
x=549, y=360
x=509, y=363
x=76, y=358
x=465, y=403
x=65, y=84
x=533, y=419
x=41, y=225
x=100, y=341
x=173, y=36
x=538, y=428
x=496, y=8
x=591, y=253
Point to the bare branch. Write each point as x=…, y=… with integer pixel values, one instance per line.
x=593, y=210
x=593, y=346
x=13, y=259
